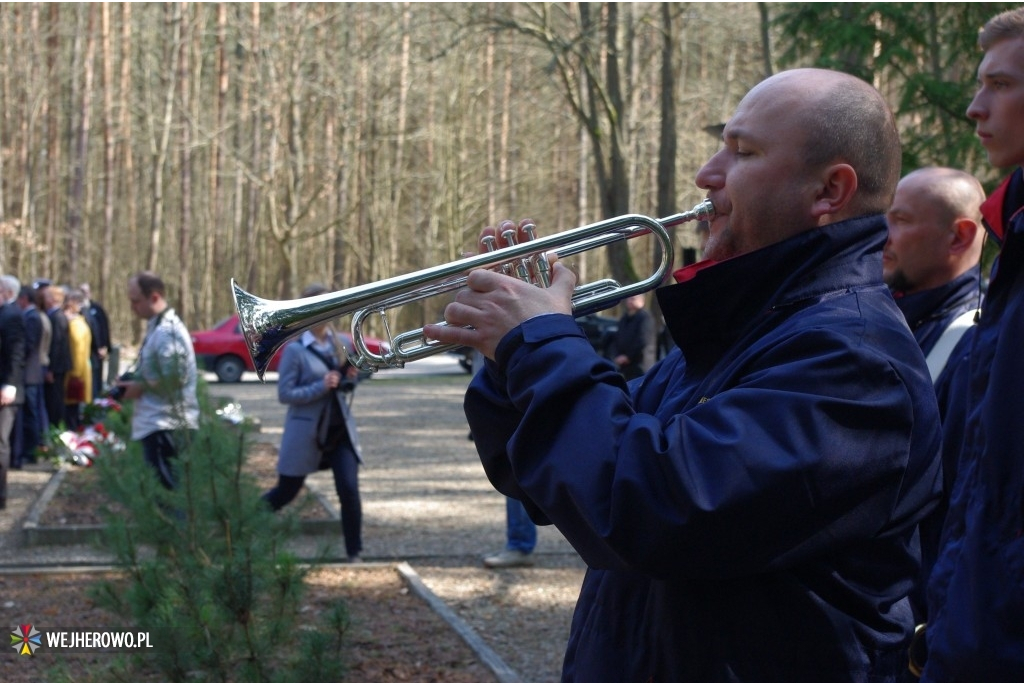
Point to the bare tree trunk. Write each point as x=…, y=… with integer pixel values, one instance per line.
x=506, y=141
x=248, y=235
x=8, y=249
x=668, y=201
x=583, y=196
x=54, y=158
x=766, y=38
x=433, y=223
x=159, y=156
x=238, y=194
x=127, y=146
x=615, y=195
x=33, y=106
x=82, y=97
x=365, y=229
x=185, y=232
x=489, y=113
x=106, y=253
x=216, y=232
x=5, y=116
x=335, y=158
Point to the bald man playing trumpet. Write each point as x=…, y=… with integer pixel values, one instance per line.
x=747, y=509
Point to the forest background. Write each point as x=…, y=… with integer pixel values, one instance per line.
x=285, y=143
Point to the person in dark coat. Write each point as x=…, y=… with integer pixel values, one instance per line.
x=12, y=373
x=33, y=419
x=747, y=509
x=99, y=325
x=931, y=261
x=975, y=629
x=314, y=372
x=60, y=354
x=635, y=345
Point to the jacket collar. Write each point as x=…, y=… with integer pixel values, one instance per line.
x=715, y=303
x=935, y=303
x=1003, y=204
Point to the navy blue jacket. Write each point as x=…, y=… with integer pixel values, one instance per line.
x=930, y=312
x=746, y=509
x=12, y=350
x=976, y=593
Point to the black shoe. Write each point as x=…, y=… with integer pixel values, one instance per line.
x=3, y=504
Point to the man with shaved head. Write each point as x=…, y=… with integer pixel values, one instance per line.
x=933, y=255
x=748, y=508
x=932, y=263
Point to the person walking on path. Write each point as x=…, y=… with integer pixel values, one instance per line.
x=319, y=429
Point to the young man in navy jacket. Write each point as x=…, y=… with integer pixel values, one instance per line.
x=975, y=626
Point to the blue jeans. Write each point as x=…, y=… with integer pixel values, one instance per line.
x=161, y=452
x=521, y=532
x=34, y=423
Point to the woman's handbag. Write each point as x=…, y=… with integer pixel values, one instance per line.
x=75, y=390
x=330, y=426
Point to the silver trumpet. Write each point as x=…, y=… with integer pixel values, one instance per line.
x=268, y=324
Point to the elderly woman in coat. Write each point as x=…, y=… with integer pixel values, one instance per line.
x=311, y=374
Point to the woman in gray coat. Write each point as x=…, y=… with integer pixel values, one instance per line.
x=311, y=373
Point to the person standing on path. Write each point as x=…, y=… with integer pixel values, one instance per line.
x=166, y=408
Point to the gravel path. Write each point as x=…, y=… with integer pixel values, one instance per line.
x=426, y=501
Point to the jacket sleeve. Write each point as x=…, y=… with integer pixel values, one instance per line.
x=33, y=334
x=296, y=383
x=794, y=452
x=12, y=342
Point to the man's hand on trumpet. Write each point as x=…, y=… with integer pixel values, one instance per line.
x=492, y=303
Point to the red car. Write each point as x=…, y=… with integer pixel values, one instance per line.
x=222, y=350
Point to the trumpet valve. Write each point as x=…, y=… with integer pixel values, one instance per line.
x=539, y=262
x=509, y=236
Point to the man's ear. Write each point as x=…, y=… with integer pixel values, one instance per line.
x=839, y=183
x=964, y=232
